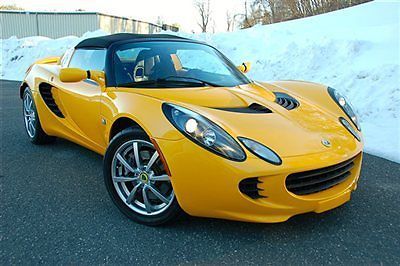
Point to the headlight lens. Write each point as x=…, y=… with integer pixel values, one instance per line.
x=261, y=151
x=345, y=106
x=203, y=132
x=347, y=125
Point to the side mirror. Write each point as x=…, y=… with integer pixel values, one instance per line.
x=72, y=74
x=245, y=67
x=77, y=74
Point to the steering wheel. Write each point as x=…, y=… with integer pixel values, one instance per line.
x=138, y=72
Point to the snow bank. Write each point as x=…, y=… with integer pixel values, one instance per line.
x=18, y=54
x=355, y=50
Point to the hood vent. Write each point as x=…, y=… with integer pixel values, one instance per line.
x=253, y=108
x=286, y=101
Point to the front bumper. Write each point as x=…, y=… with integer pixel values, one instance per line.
x=208, y=185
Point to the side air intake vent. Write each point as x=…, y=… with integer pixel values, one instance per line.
x=286, y=101
x=45, y=92
x=249, y=187
x=253, y=108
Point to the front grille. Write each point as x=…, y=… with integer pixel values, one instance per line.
x=249, y=187
x=286, y=101
x=318, y=180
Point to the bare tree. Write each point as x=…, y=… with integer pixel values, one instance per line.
x=229, y=21
x=246, y=22
x=272, y=6
x=204, y=10
x=255, y=12
x=160, y=21
x=272, y=11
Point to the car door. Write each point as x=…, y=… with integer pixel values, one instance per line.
x=81, y=100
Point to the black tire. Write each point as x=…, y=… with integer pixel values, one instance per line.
x=168, y=215
x=39, y=137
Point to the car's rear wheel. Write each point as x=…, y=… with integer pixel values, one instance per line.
x=136, y=179
x=31, y=121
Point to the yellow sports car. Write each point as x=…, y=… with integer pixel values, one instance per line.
x=182, y=128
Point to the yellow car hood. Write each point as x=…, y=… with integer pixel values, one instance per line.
x=288, y=132
x=217, y=97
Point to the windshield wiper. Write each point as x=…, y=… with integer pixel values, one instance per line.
x=169, y=80
x=206, y=83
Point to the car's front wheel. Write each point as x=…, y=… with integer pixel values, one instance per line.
x=136, y=179
x=31, y=121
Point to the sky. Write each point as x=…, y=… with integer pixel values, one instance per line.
x=182, y=12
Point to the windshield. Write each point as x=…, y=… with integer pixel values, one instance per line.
x=173, y=64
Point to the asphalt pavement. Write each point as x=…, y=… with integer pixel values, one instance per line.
x=54, y=208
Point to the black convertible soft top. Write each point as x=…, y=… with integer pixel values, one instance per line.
x=106, y=41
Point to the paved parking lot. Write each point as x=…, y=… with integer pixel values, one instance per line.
x=55, y=209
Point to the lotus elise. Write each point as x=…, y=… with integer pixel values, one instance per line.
x=182, y=129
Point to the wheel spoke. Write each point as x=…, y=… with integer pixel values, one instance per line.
x=125, y=163
x=159, y=178
x=31, y=126
x=159, y=195
x=153, y=159
x=125, y=178
x=146, y=200
x=132, y=194
x=26, y=105
x=136, y=154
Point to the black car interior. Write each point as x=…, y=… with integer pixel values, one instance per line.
x=149, y=64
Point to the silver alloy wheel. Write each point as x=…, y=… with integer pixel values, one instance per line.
x=139, y=178
x=29, y=115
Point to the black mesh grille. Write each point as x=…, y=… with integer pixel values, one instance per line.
x=45, y=92
x=249, y=187
x=320, y=179
x=286, y=101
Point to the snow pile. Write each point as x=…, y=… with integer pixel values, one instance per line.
x=355, y=50
x=18, y=54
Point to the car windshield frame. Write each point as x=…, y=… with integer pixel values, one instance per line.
x=174, y=83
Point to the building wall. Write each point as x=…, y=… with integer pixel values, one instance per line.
x=111, y=24
x=53, y=25
x=14, y=24
x=59, y=24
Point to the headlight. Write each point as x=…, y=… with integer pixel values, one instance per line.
x=203, y=132
x=347, y=125
x=345, y=106
x=261, y=151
